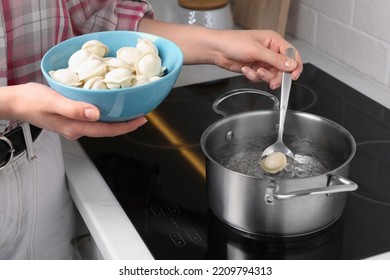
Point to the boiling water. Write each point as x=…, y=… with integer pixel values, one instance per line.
x=309, y=160
x=248, y=163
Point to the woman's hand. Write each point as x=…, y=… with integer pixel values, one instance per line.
x=258, y=54
x=43, y=107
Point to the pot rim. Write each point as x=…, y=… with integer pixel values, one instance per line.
x=262, y=112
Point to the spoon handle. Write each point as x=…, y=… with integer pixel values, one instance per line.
x=285, y=93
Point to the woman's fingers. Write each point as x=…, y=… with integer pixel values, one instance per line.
x=272, y=77
x=75, y=129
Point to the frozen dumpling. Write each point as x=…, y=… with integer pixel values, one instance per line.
x=274, y=162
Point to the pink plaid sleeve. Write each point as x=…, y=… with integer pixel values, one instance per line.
x=99, y=15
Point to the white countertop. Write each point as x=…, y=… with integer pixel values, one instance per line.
x=112, y=231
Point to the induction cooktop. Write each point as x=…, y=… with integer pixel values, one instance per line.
x=157, y=174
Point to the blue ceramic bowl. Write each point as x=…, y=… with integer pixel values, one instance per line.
x=117, y=104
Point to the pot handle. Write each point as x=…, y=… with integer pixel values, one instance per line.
x=337, y=184
x=233, y=92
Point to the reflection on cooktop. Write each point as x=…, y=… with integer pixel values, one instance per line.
x=229, y=243
x=370, y=168
x=169, y=126
x=158, y=175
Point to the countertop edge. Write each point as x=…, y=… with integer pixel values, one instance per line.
x=108, y=224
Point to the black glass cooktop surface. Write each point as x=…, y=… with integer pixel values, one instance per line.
x=157, y=173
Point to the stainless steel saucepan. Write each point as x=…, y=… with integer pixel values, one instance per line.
x=296, y=202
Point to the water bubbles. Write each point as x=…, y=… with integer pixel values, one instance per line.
x=244, y=158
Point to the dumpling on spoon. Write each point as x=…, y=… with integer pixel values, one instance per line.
x=274, y=162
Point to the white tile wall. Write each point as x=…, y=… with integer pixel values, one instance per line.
x=355, y=32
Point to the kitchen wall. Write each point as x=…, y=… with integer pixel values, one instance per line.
x=355, y=32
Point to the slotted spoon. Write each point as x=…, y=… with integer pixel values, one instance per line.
x=279, y=146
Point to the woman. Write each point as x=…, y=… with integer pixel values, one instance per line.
x=36, y=212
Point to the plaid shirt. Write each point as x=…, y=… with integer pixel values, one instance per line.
x=29, y=28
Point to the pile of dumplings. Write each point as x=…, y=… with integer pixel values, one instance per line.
x=90, y=68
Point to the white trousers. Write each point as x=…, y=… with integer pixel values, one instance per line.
x=36, y=211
